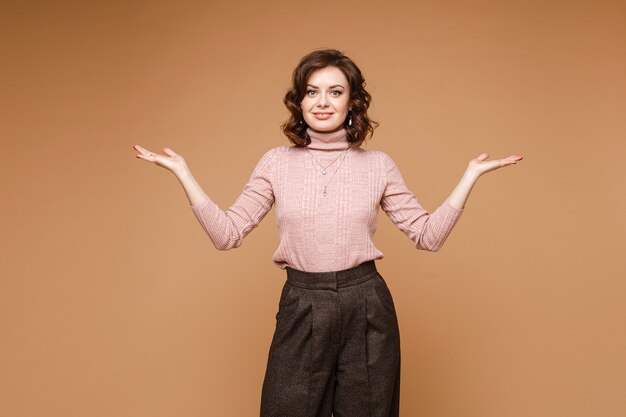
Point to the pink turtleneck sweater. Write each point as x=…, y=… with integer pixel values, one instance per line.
x=320, y=233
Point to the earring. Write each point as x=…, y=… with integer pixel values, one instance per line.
x=350, y=121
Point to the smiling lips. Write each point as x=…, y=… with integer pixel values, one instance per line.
x=323, y=116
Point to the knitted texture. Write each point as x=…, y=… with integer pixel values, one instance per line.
x=320, y=233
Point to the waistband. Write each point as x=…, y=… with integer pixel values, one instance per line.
x=331, y=280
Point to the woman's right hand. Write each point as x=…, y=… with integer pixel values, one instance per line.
x=172, y=161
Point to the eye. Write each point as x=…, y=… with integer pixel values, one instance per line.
x=309, y=92
x=336, y=93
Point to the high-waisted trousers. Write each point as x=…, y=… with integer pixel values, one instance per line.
x=336, y=347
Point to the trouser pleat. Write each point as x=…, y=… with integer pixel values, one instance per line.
x=335, y=350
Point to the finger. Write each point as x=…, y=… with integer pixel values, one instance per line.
x=150, y=157
x=482, y=156
x=142, y=150
x=513, y=159
x=510, y=160
x=169, y=152
x=145, y=154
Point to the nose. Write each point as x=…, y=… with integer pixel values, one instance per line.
x=323, y=101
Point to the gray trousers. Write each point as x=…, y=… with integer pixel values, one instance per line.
x=336, y=347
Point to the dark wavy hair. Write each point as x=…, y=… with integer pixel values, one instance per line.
x=295, y=127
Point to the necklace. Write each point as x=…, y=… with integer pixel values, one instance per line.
x=324, y=192
x=324, y=168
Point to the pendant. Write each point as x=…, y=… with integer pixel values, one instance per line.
x=324, y=172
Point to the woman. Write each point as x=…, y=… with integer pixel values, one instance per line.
x=336, y=346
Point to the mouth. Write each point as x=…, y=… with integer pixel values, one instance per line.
x=322, y=115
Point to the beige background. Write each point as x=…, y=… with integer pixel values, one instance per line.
x=113, y=301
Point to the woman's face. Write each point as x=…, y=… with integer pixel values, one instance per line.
x=326, y=102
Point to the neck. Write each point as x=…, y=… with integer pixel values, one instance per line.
x=337, y=139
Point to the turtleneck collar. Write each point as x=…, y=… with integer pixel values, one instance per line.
x=328, y=140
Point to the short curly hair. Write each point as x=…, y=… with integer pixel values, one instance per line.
x=295, y=127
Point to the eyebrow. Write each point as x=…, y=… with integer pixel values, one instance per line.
x=332, y=86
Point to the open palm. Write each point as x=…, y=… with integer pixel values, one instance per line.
x=171, y=161
x=480, y=165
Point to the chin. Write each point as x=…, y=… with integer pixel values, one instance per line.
x=325, y=127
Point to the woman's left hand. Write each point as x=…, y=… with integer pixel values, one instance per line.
x=480, y=165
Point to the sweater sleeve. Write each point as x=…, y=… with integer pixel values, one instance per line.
x=227, y=229
x=427, y=231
